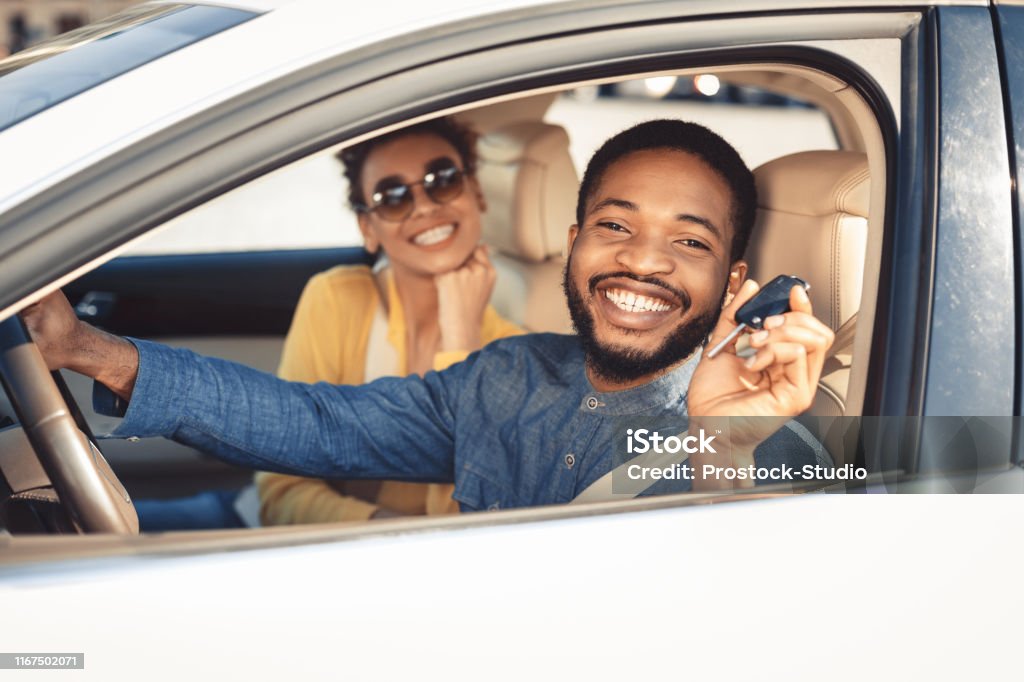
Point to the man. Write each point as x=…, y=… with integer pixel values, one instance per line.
x=664, y=213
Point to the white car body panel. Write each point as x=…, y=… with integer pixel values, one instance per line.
x=809, y=588
x=154, y=96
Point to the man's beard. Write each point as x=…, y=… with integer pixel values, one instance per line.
x=621, y=364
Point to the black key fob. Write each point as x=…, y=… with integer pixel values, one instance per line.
x=772, y=299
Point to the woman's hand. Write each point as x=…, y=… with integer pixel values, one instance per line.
x=462, y=297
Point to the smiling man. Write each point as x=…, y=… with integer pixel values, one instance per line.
x=664, y=214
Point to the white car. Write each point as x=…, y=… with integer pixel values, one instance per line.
x=163, y=168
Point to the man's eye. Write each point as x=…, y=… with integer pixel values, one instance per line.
x=613, y=226
x=694, y=244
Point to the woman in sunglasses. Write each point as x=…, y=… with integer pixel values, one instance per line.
x=425, y=306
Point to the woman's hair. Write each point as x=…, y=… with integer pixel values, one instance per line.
x=458, y=135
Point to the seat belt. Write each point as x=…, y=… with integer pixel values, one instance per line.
x=601, y=489
x=844, y=336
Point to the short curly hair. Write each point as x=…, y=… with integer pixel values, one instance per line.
x=457, y=134
x=691, y=138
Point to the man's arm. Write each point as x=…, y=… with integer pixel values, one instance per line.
x=390, y=429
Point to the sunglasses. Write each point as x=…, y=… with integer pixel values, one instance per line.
x=393, y=200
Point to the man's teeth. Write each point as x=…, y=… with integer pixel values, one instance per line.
x=632, y=303
x=434, y=235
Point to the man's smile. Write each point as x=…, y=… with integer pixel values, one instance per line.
x=639, y=306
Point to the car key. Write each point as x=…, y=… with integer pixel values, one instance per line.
x=772, y=299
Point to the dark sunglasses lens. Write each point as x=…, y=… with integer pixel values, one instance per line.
x=393, y=203
x=446, y=185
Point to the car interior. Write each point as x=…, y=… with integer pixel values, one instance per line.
x=821, y=216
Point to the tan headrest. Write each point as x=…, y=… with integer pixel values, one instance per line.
x=815, y=183
x=530, y=184
x=812, y=222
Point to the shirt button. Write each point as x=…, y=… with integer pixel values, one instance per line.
x=570, y=460
x=494, y=506
x=592, y=402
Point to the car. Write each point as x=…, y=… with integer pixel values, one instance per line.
x=893, y=189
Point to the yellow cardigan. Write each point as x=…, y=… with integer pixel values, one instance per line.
x=328, y=342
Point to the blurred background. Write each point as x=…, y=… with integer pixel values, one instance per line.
x=27, y=22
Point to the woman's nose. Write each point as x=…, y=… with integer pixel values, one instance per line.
x=422, y=203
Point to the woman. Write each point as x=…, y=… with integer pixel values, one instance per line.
x=419, y=204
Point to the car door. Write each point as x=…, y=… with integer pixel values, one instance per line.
x=962, y=186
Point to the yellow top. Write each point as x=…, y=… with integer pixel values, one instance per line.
x=327, y=342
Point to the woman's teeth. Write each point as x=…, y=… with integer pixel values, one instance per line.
x=632, y=303
x=434, y=235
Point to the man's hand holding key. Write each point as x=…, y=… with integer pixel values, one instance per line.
x=775, y=384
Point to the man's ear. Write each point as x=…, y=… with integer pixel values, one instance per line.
x=737, y=276
x=370, y=241
x=574, y=230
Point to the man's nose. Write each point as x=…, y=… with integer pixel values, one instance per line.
x=646, y=256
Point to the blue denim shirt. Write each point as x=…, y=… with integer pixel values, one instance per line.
x=514, y=425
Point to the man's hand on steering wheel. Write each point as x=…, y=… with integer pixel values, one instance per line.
x=86, y=486
x=68, y=343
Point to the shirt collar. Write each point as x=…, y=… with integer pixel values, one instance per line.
x=669, y=389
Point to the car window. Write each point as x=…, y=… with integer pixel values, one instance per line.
x=58, y=69
x=303, y=205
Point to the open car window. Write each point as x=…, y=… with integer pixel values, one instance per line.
x=223, y=277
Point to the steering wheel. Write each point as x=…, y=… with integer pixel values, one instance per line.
x=85, y=483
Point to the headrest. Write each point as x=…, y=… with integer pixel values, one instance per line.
x=812, y=223
x=530, y=185
x=815, y=183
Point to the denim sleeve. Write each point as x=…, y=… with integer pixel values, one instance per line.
x=392, y=428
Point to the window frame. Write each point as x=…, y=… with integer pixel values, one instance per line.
x=308, y=112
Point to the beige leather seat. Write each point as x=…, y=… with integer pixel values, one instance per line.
x=530, y=184
x=812, y=222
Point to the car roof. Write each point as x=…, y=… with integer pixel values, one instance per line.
x=287, y=36
x=70, y=136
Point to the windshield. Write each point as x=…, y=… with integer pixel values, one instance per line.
x=58, y=69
